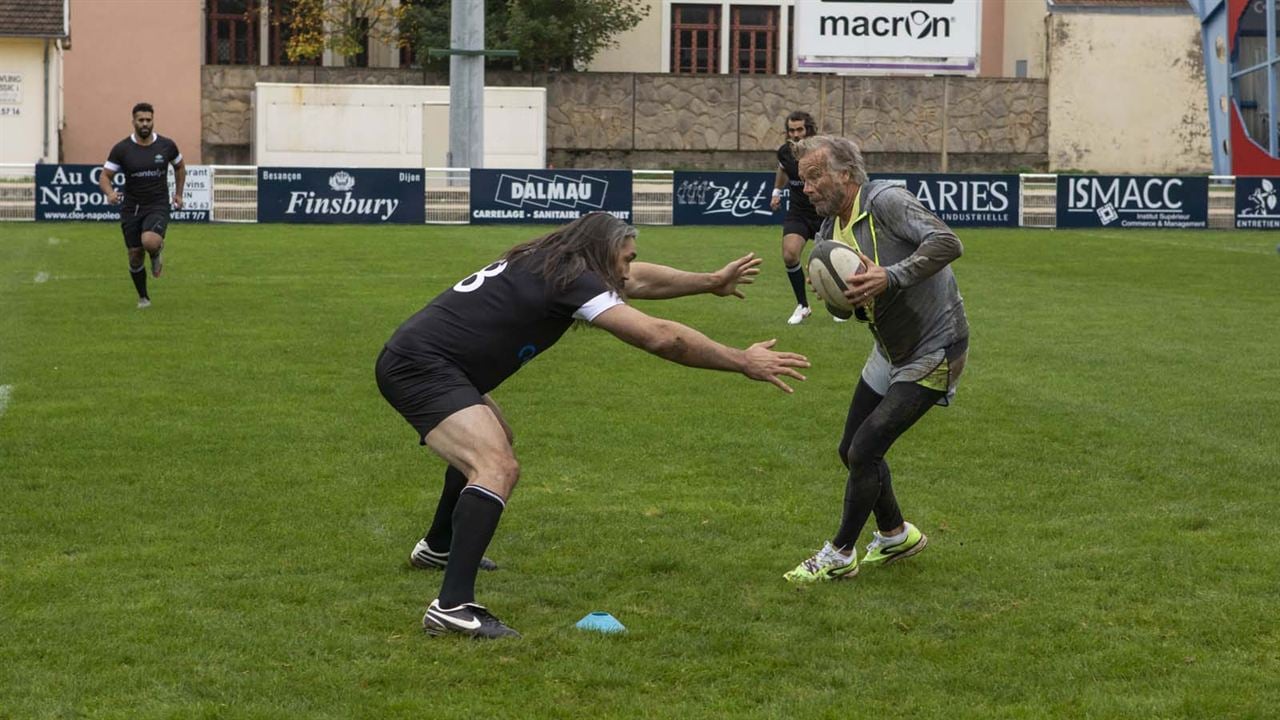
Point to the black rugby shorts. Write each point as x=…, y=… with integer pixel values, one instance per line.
x=133, y=224
x=806, y=226
x=424, y=392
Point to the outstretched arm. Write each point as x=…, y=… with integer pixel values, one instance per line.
x=647, y=281
x=686, y=346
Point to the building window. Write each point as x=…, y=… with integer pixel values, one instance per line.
x=233, y=32
x=695, y=39
x=281, y=31
x=361, y=59
x=791, y=39
x=753, y=40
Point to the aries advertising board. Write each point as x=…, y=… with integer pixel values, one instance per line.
x=333, y=195
x=71, y=192
x=1136, y=201
x=965, y=200
x=551, y=197
x=725, y=198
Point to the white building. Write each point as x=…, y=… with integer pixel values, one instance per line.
x=32, y=36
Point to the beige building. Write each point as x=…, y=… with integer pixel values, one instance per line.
x=129, y=51
x=32, y=34
x=1127, y=88
x=758, y=36
x=1109, y=65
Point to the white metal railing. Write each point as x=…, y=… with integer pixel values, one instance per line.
x=448, y=196
x=17, y=192
x=235, y=193
x=1039, y=200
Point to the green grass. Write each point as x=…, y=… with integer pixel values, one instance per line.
x=207, y=506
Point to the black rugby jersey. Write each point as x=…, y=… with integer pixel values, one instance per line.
x=146, y=170
x=494, y=321
x=800, y=203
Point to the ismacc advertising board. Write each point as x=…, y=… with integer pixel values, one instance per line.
x=552, y=197
x=70, y=191
x=1133, y=201
x=337, y=195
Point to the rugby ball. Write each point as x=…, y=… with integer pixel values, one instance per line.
x=829, y=264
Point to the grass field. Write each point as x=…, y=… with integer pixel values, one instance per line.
x=207, y=506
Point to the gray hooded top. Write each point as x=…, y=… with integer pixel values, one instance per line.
x=921, y=311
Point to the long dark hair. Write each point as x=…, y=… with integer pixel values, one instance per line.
x=592, y=242
x=810, y=127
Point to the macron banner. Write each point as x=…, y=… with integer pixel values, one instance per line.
x=548, y=196
x=1132, y=201
x=333, y=195
x=1257, y=205
x=964, y=200
x=71, y=192
x=725, y=198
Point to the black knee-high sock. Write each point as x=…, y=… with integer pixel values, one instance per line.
x=440, y=536
x=474, y=521
x=139, y=277
x=796, y=276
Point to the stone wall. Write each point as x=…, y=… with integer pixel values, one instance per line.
x=626, y=120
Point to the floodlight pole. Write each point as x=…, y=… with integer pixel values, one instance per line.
x=466, y=84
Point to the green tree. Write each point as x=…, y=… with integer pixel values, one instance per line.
x=344, y=26
x=548, y=34
x=557, y=34
x=425, y=24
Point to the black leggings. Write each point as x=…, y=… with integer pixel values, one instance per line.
x=875, y=421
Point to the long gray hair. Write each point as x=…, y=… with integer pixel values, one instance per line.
x=843, y=155
x=592, y=242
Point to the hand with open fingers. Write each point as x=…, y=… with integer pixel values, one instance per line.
x=742, y=271
x=866, y=285
x=766, y=364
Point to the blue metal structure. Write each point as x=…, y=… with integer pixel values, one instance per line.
x=1233, y=60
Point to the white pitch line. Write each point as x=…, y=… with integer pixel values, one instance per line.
x=54, y=240
x=5, y=392
x=42, y=276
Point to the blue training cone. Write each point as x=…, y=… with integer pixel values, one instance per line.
x=601, y=622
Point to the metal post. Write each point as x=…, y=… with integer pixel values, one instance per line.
x=1272, y=103
x=466, y=85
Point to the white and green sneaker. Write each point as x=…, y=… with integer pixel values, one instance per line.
x=827, y=564
x=882, y=552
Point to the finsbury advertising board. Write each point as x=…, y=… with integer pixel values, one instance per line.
x=551, y=197
x=724, y=198
x=336, y=195
x=1133, y=201
x=964, y=200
